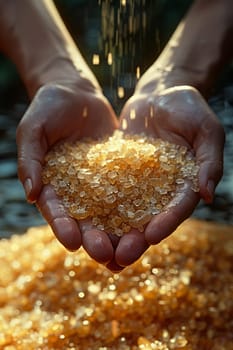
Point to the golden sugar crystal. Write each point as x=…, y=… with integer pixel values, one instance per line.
x=177, y=296
x=127, y=178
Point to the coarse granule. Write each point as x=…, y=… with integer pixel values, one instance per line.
x=177, y=296
x=119, y=182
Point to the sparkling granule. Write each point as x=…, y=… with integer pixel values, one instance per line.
x=177, y=296
x=119, y=182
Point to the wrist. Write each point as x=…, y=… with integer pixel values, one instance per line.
x=62, y=71
x=158, y=78
x=196, y=52
x=35, y=38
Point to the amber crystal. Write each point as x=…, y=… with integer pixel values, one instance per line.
x=119, y=182
x=178, y=296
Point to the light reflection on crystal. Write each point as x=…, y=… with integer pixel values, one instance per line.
x=120, y=182
x=177, y=296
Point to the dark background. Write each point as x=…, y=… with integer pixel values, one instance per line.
x=84, y=20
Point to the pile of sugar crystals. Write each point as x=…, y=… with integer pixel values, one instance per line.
x=119, y=182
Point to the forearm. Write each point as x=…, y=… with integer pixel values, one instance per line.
x=34, y=37
x=198, y=49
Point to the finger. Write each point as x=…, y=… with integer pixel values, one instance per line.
x=114, y=267
x=209, y=148
x=99, y=245
x=114, y=239
x=64, y=227
x=96, y=243
x=130, y=247
x=32, y=147
x=179, y=209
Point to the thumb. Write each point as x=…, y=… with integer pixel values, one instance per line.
x=32, y=147
x=209, y=155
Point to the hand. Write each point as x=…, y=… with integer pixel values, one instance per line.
x=179, y=115
x=60, y=112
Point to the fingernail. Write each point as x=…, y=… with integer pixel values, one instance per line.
x=27, y=187
x=210, y=189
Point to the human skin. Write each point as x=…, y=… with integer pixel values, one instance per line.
x=169, y=103
x=68, y=104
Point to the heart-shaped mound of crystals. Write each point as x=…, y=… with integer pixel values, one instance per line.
x=119, y=182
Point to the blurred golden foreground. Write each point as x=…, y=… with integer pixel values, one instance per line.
x=179, y=295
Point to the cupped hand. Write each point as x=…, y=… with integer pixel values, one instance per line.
x=179, y=115
x=65, y=112
x=60, y=112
